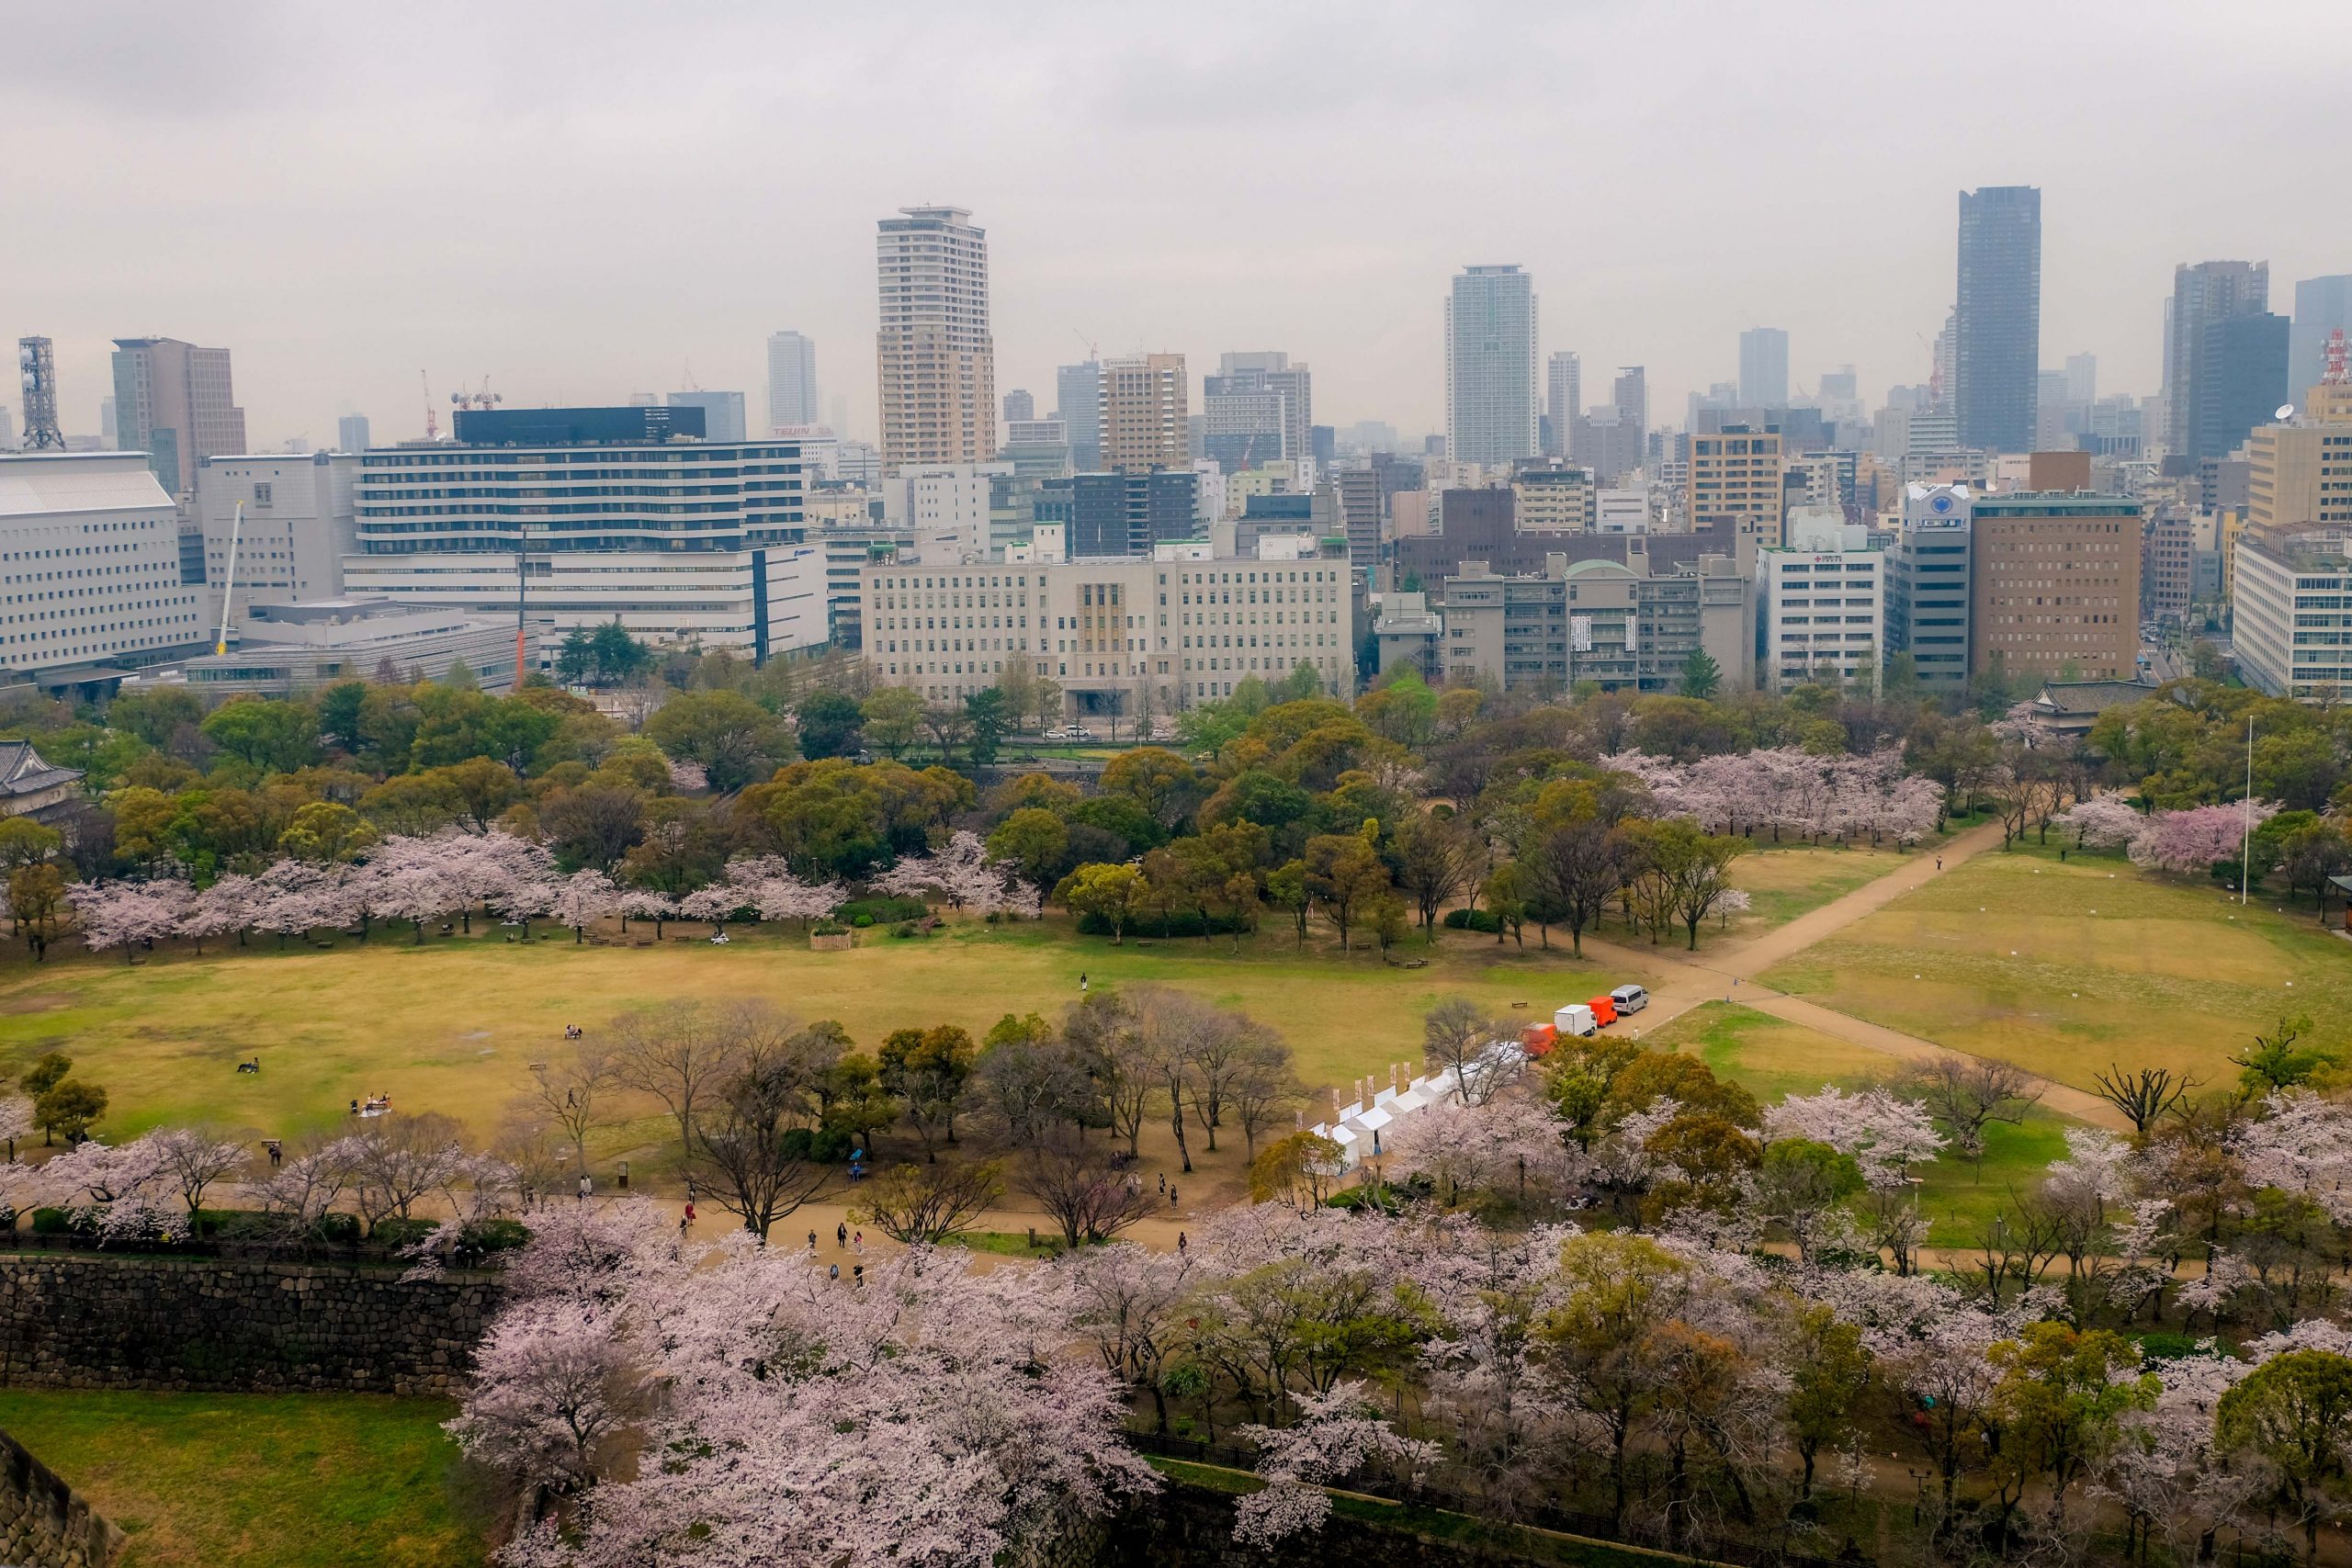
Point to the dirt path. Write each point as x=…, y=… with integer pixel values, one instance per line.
x=1688, y=980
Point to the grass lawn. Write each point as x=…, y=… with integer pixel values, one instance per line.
x=2066, y=967
x=1774, y=1059
x=453, y=1025
x=295, y=1481
x=1792, y=880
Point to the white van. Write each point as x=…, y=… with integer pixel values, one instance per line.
x=1630, y=999
x=1575, y=1019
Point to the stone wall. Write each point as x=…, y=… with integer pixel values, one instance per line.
x=91, y=1320
x=42, y=1523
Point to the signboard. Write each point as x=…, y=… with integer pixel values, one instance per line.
x=1580, y=633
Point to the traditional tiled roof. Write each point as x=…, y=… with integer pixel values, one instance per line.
x=23, y=770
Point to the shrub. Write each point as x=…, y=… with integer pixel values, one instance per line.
x=398, y=1233
x=1154, y=926
x=53, y=1222
x=879, y=911
x=906, y=929
x=1471, y=920
x=829, y=928
x=861, y=923
x=494, y=1235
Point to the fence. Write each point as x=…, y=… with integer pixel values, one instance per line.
x=1563, y=1522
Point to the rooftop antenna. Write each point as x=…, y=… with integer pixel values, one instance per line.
x=38, y=363
x=431, y=420
x=485, y=399
x=2339, y=362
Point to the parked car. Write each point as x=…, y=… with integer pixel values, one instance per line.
x=1630, y=999
x=1079, y=732
x=1575, y=1019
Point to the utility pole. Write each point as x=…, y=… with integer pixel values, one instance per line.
x=2245, y=847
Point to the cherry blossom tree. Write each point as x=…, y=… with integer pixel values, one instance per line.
x=2302, y=1145
x=292, y=899
x=17, y=1121
x=409, y=878
x=1886, y=1134
x=963, y=874
x=2196, y=837
x=128, y=914
x=231, y=904
x=581, y=899
x=2102, y=822
x=769, y=886
x=648, y=904
x=1337, y=1434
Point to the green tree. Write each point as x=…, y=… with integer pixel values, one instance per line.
x=2275, y=1062
x=892, y=719
x=46, y=1073
x=928, y=1070
x=1702, y=676
x=990, y=718
x=24, y=843
x=575, y=657
x=1829, y=1373
x=2295, y=1412
x=2059, y=1396
x=35, y=893
x=69, y=1107
x=614, y=655
x=1112, y=893
x=1035, y=839
x=272, y=736
x=326, y=833
x=734, y=739
x=1345, y=875
x=829, y=725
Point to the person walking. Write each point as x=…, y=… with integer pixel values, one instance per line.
x=682, y=1230
x=841, y=1237
x=861, y=1244
x=1081, y=982
x=1182, y=1246
x=1172, y=1197
x=690, y=1202
x=1164, y=1183
x=1939, y=862
x=835, y=1274
x=584, y=1187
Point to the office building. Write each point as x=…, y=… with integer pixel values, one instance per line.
x=2241, y=382
x=2292, y=610
x=792, y=382
x=173, y=401
x=1359, y=505
x=1736, y=474
x=1996, y=321
x=299, y=649
x=1143, y=417
x=300, y=523
x=1124, y=638
x=1251, y=395
x=1929, y=590
x=1822, y=613
x=1621, y=509
x=609, y=513
x=89, y=569
x=1078, y=403
x=2299, y=470
x=1555, y=498
x=722, y=413
x=1764, y=368
x=2167, y=563
x=1037, y=448
x=2202, y=295
x=1624, y=626
x=1018, y=406
x=351, y=433
x=2054, y=585
x=947, y=506
x=1563, y=399
x=2323, y=305
x=935, y=357
x=1490, y=338
x=1127, y=511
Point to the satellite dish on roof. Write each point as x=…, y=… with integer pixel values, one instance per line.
x=2285, y=410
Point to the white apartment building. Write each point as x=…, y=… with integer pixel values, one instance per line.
x=1821, y=610
x=682, y=541
x=89, y=567
x=1121, y=635
x=300, y=523
x=945, y=505
x=1621, y=509
x=2292, y=612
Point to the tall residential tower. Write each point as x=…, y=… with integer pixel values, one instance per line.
x=936, y=361
x=173, y=400
x=792, y=381
x=1490, y=335
x=1996, y=337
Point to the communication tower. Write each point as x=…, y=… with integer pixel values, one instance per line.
x=38, y=361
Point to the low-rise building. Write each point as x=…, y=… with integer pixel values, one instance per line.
x=89, y=569
x=1407, y=632
x=297, y=649
x=2292, y=621
x=299, y=523
x=1599, y=620
x=1822, y=615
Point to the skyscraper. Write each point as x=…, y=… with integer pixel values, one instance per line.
x=2322, y=305
x=1563, y=398
x=1078, y=403
x=1764, y=368
x=1144, y=421
x=792, y=381
x=1253, y=395
x=173, y=400
x=937, y=361
x=351, y=433
x=1019, y=405
x=1997, y=343
x=1490, y=336
x=722, y=413
x=2241, y=382
x=2202, y=295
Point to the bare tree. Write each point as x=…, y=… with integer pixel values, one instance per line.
x=1967, y=1092
x=679, y=1052
x=196, y=1159
x=1026, y=1085
x=574, y=1093
x=397, y=1161
x=753, y=1149
x=1088, y=1197
x=1437, y=856
x=1453, y=1032
x=2145, y=1096
x=927, y=1202
x=1219, y=1053
x=1118, y=1058
x=533, y=1149
x=1263, y=1089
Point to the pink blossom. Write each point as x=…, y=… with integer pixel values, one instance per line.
x=1886, y=1134
x=2196, y=837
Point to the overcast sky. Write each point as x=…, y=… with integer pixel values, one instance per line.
x=581, y=200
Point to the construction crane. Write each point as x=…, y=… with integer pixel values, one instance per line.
x=1088, y=342
x=229, y=586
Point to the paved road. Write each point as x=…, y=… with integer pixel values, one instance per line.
x=1689, y=980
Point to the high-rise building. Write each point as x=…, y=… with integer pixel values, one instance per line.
x=351, y=433
x=1997, y=340
x=2055, y=585
x=1019, y=405
x=2082, y=379
x=1737, y=474
x=2323, y=305
x=1125, y=512
x=1764, y=368
x=1250, y=396
x=2241, y=382
x=681, y=541
x=1928, y=591
x=1078, y=403
x=2299, y=470
x=173, y=401
x=936, y=358
x=2292, y=631
x=101, y=521
x=1490, y=338
x=1144, y=421
x=722, y=413
x=2202, y=294
x=1564, y=399
x=792, y=382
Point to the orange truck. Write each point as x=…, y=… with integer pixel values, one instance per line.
x=1604, y=1009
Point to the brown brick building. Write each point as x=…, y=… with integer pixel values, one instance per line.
x=2055, y=585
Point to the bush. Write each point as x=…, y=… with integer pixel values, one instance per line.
x=861, y=923
x=906, y=929
x=398, y=1233
x=1173, y=926
x=494, y=1235
x=828, y=927
x=54, y=1222
x=338, y=1229
x=230, y=1224
x=1471, y=920
x=878, y=910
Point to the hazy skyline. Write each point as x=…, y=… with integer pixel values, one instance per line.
x=585, y=200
